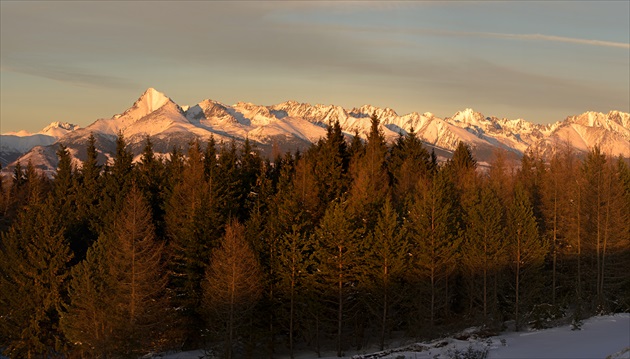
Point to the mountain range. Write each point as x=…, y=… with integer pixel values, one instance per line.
x=292, y=125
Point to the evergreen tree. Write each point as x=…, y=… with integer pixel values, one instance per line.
x=116, y=183
x=330, y=159
x=151, y=180
x=410, y=161
x=230, y=193
x=88, y=186
x=34, y=260
x=337, y=259
x=293, y=261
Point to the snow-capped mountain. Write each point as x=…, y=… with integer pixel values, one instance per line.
x=291, y=125
x=15, y=144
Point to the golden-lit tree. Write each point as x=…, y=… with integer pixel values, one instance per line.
x=232, y=286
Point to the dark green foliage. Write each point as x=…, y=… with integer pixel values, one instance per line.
x=337, y=262
x=33, y=270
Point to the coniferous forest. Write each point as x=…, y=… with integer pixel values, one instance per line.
x=347, y=244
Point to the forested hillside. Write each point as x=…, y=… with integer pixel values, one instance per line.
x=337, y=247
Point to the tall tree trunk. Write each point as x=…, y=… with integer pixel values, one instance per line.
x=518, y=272
x=340, y=299
x=385, y=305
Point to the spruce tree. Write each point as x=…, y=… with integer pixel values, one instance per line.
x=34, y=261
x=337, y=259
x=152, y=182
x=88, y=186
x=410, y=161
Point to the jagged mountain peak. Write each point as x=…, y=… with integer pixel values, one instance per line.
x=60, y=125
x=369, y=110
x=469, y=116
x=293, y=124
x=58, y=129
x=150, y=101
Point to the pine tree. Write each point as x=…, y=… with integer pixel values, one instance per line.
x=232, y=286
x=34, y=264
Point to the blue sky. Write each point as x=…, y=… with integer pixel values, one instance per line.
x=538, y=60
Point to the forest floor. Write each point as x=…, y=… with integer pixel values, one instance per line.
x=601, y=337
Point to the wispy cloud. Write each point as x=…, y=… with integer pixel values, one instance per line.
x=498, y=35
x=68, y=75
x=542, y=37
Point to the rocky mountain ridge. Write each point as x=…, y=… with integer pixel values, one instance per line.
x=291, y=125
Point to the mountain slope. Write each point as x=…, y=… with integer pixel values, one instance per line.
x=13, y=145
x=291, y=125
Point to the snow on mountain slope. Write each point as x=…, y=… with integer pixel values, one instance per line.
x=611, y=132
x=58, y=129
x=288, y=128
x=292, y=125
x=15, y=144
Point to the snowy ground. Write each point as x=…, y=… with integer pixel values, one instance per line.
x=605, y=337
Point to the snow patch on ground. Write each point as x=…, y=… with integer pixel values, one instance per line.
x=605, y=337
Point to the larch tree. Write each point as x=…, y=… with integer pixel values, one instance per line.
x=119, y=304
x=193, y=229
x=483, y=250
x=527, y=250
x=370, y=179
x=387, y=254
x=435, y=236
x=232, y=286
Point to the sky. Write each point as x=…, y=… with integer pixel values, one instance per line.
x=78, y=61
